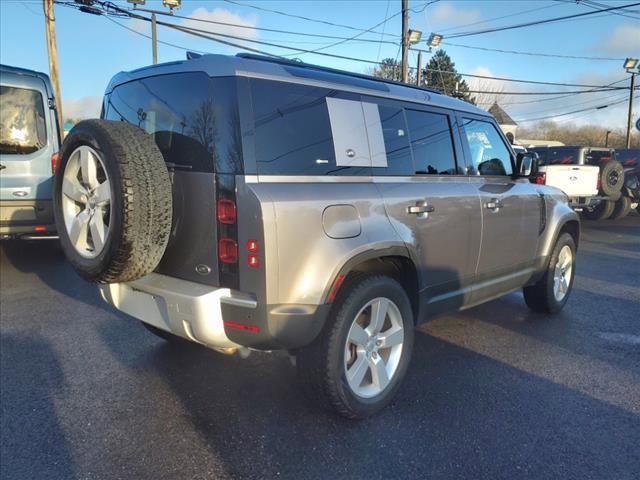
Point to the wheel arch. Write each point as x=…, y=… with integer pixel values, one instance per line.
x=394, y=262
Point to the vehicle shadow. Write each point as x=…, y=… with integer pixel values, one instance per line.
x=44, y=259
x=31, y=446
x=456, y=415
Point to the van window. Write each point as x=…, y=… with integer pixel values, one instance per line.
x=193, y=118
x=431, y=143
x=22, y=121
x=293, y=133
x=489, y=154
x=563, y=156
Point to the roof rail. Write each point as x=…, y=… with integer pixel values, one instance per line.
x=301, y=64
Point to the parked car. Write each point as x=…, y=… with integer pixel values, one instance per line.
x=256, y=203
x=630, y=199
x=29, y=143
x=611, y=175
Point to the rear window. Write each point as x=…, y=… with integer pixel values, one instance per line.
x=193, y=118
x=596, y=157
x=293, y=133
x=22, y=121
x=563, y=156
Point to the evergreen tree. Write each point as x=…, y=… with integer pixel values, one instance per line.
x=391, y=69
x=440, y=73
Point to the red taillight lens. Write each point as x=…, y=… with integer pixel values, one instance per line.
x=226, y=211
x=55, y=159
x=227, y=250
x=599, y=183
x=541, y=178
x=253, y=261
x=253, y=246
x=40, y=228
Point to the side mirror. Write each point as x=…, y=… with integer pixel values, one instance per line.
x=526, y=164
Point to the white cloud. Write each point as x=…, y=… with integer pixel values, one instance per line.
x=82, y=108
x=446, y=15
x=223, y=16
x=623, y=40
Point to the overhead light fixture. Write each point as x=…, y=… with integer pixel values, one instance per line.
x=171, y=4
x=630, y=63
x=434, y=40
x=136, y=2
x=414, y=36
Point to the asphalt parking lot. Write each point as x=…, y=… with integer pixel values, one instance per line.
x=493, y=392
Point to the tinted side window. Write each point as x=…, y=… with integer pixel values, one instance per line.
x=489, y=154
x=396, y=142
x=293, y=131
x=563, y=156
x=431, y=142
x=193, y=118
x=22, y=121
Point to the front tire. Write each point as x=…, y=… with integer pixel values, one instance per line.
x=552, y=291
x=356, y=365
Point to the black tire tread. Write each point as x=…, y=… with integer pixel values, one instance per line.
x=621, y=208
x=601, y=211
x=145, y=190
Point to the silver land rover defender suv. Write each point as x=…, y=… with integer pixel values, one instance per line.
x=250, y=202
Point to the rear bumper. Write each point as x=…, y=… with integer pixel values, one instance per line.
x=26, y=217
x=214, y=317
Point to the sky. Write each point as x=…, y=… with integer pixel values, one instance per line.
x=92, y=48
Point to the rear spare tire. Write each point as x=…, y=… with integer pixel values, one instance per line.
x=112, y=201
x=611, y=178
x=600, y=211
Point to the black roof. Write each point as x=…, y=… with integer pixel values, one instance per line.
x=500, y=115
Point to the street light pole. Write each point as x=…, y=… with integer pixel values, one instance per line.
x=405, y=41
x=419, y=73
x=630, y=114
x=606, y=139
x=53, y=59
x=154, y=39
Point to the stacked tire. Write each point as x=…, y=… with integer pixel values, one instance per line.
x=611, y=183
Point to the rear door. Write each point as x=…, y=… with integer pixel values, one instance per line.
x=430, y=201
x=26, y=139
x=511, y=210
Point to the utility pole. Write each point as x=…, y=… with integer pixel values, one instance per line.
x=419, y=74
x=52, y=48
x=405, y=41
x=154, y=39
x=630, y=115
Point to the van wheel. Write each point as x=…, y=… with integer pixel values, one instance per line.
x=621, y=208
x=356, y=365
x=552, y=291
x=600, y=211
x=112, y=201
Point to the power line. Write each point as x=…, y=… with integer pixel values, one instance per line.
x=534, y=54
x=597, y=5
x=541, y=22
x=600, y=107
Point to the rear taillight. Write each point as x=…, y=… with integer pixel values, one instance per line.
x=599, y=183
x=226, y=211
x=540, y=178
x=227, y=250
x=55, y=159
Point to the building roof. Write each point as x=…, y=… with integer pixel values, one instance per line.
x=500, y=115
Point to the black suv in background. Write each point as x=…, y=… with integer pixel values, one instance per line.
x=630, y=160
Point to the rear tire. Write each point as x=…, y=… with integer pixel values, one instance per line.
x=552, y=291
x=601, y=211
x=349, y=368
x=621, y=208
x=112, y=201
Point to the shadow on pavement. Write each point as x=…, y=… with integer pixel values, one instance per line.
x=458, y=414
x=31, y=446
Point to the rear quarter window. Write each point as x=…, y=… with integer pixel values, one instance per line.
x=563, y=156
x=22, y=121
x=193, y=118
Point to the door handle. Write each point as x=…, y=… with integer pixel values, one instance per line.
x=494, y=204
x=421, y=208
